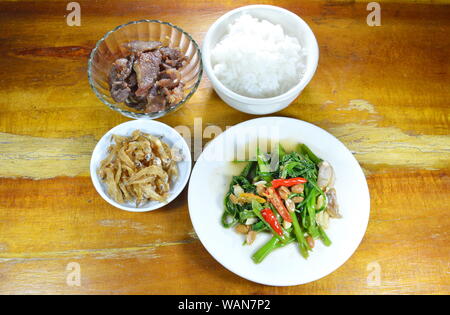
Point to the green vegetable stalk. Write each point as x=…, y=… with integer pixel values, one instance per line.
x=324, y=237
x=266, y=250
x=302, y=244
x=303, y=149
x=247, y=170
x=269, y=247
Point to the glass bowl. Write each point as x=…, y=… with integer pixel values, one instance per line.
x=111, y=47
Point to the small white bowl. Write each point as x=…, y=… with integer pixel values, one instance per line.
x=156, y=128
x=293, y=26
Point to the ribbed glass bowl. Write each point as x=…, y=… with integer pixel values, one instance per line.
x=111, y=47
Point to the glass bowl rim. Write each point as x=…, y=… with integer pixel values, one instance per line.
x=131, y=114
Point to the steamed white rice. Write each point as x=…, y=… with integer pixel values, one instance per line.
x=257, y=59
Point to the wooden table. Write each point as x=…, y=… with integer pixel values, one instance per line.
x=383, y=91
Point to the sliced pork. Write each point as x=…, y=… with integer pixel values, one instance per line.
x=148, y=79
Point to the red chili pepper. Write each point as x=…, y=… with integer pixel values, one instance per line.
x=275, y=199
x=288, y=182
x=270, y=218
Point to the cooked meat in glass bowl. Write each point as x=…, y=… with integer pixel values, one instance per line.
x=145, y=69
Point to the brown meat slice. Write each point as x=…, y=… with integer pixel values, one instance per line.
x=120, y=91
x=155, y=103
x=146, y=67
x=120, y=70
x=154, y=90
x=155, y=100
x=139, y=46
x=166, y=83
x=169, y=78
x=172, y=57
x=132, y=81
x=170, y=53
x=138, y=103
x=176, y=95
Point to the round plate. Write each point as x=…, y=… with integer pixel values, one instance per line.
x=155, y=128
x=210, y=181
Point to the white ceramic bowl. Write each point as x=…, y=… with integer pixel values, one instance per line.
x=156, y=128
x=285, y=266
x=293, y=26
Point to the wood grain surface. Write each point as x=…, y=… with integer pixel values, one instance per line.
x=383, y=91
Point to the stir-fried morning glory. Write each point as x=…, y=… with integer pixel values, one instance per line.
x=290, y=195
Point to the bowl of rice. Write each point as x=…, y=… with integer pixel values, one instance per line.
x=259, y=58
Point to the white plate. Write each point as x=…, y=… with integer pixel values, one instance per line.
x=156, y=128
x=210, y=181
